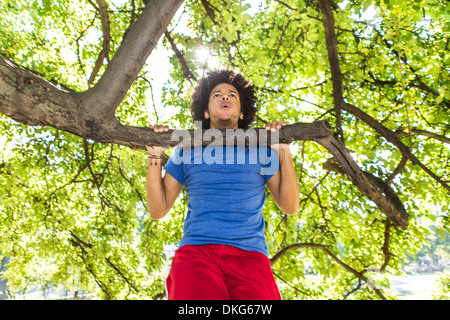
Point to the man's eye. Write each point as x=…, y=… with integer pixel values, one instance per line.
x=217, y=95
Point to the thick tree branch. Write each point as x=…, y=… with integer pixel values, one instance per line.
x=46, y=105
x=401, y=216
x=32, y=100
x=338, y=100
x=54, y=111
x=138, y=138
x=333, y=57
x=374, y=188
x=103, y=99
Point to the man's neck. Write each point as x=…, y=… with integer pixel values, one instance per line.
x=224, y=125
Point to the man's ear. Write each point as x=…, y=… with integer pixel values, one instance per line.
x=206, y=114
x=241, y=116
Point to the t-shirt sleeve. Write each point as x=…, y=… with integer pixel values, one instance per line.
x=174, y=166
x=270, y=164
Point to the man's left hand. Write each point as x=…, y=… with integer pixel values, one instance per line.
x=274, y=126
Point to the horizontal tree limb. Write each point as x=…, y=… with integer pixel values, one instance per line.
x=32, y=100
x=138, y=138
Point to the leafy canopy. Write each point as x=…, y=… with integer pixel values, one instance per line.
x=78, y=207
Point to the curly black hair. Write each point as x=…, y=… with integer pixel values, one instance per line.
x=246, y=90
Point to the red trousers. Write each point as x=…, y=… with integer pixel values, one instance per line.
x=220, y=272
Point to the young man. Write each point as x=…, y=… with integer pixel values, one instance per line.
x=223, y=253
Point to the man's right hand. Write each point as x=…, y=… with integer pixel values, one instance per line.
x=157, y=151
x=159, y=128
x=161, y=191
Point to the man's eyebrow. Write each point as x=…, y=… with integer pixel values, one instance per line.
x=221, y=91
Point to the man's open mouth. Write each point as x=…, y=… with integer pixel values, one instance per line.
x=225, y=105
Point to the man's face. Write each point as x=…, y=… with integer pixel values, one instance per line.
x=224, y=107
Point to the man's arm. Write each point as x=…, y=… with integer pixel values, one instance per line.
x=283, y=185
x=161, y=192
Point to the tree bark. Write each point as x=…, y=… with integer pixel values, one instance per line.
x=31, y=100
x=340, y=104
x=333, y=57
x=372, y=187
x=34, y=101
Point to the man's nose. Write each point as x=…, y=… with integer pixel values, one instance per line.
x=225, y=97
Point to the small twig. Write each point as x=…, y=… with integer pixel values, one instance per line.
x=359, y=275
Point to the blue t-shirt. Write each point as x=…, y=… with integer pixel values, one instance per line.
x=226, y=192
